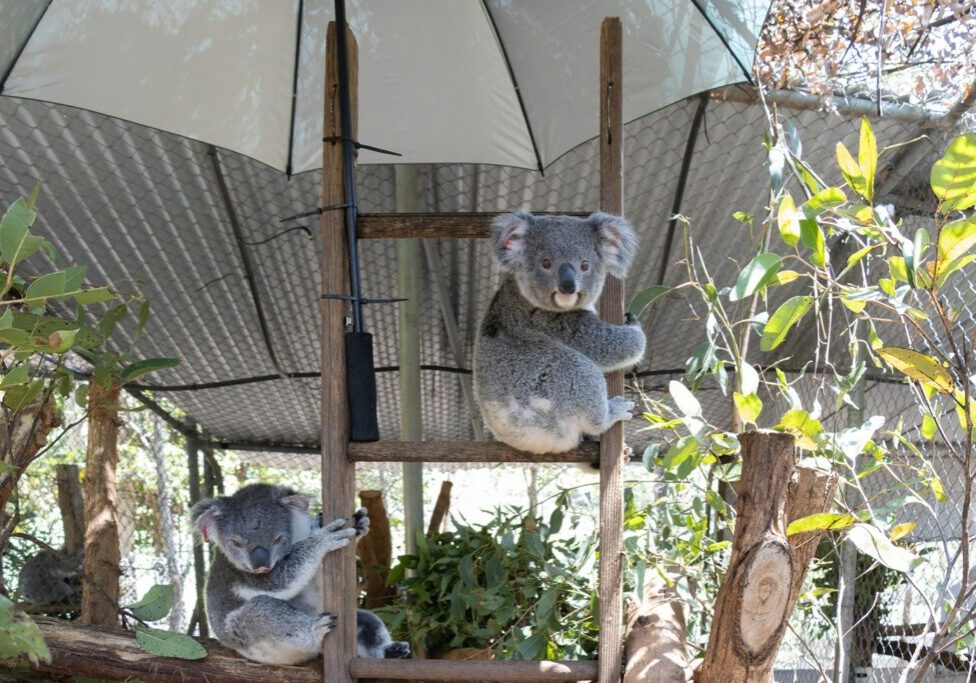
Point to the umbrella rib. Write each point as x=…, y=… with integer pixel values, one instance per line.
x=23, y=46
x=245, y=259
x=294, y=87
x=725, y=41
x=515, y=85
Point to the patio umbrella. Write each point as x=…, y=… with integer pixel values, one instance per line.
x=509, y=82
x=504, y=82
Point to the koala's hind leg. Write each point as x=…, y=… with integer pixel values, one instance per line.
x=271, y=631
x=373, y=640
x=613, y=410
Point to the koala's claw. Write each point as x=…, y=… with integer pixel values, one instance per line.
x=324, y=623
x=620, y=409
x=360, y=522
x=631, y=319
x=335, y=524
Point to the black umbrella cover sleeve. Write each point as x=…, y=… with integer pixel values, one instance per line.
x=361, y=387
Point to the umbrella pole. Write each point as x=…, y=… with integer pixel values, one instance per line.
x=359, y=344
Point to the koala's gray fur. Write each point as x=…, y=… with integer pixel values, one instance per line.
x=51, y=578
x=263, y=597
x=541, y=351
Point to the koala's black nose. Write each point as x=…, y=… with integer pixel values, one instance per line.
x=567, y=279
x=260, y=558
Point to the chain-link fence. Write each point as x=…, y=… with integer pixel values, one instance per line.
x=235, y=289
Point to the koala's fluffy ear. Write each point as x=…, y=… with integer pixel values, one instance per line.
x=508, y=233
x=205, y=514
x=616, y=242
x=292, y=498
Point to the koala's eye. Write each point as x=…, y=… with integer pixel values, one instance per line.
x=585, y=266
x=546, y=263
x=237, y=543
x=279, y=539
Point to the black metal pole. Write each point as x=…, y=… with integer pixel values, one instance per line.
x=361, y=389
x=349, y=178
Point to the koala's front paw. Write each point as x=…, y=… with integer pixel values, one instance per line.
x=398, y=649
x=335, y=524
x=620, y=409
x=331, y=538
x=360, y=522
x=324, y=623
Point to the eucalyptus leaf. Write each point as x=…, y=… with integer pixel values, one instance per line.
x=875, y=543
x=169, y=643
x=953, y=177
x=155, y=604
x=648, y=297
x=867, y=157
x=788, y=221
x=824, y=521
x=780, y=323
x=918, y=366
x=143, y=367
x=684, y=399
x=758, y=273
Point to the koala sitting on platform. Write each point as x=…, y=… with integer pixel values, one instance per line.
x=263, y=597
x=542, y=352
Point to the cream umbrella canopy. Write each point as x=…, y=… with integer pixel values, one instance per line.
x=507, y=82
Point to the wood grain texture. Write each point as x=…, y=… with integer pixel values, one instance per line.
x=655, y=648
x=375, y=551
x=753, y=603
x=441, y=508
x=72, y=505
x=100, y=578
x=462, y=451
x=612, y=310
x=473, y=225
x=473, y=670
x=113, y=654
x=338, y=474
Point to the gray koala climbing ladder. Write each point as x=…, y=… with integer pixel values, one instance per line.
x=339, y=455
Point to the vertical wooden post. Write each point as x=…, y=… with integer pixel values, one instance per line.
x=100, y=581
x=338, y=473
x=611, y=309
x=199, y=617
x=408, y=280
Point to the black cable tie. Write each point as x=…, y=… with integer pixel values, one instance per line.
x=359, y=145
x=314, y=212
x=362, y=300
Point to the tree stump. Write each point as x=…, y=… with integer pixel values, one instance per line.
x=766, y=569
x=375, y=551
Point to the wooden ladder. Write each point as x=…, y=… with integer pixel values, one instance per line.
x=339, y=455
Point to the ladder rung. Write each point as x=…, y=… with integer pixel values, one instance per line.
x=429, y=225
x=472, y=670
x=463, y=451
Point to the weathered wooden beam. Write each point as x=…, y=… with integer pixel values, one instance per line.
x=473, y=670
x=463, y=451
x=473, y=225
x=105, y=653
x=338, y=473
x=611, y=310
